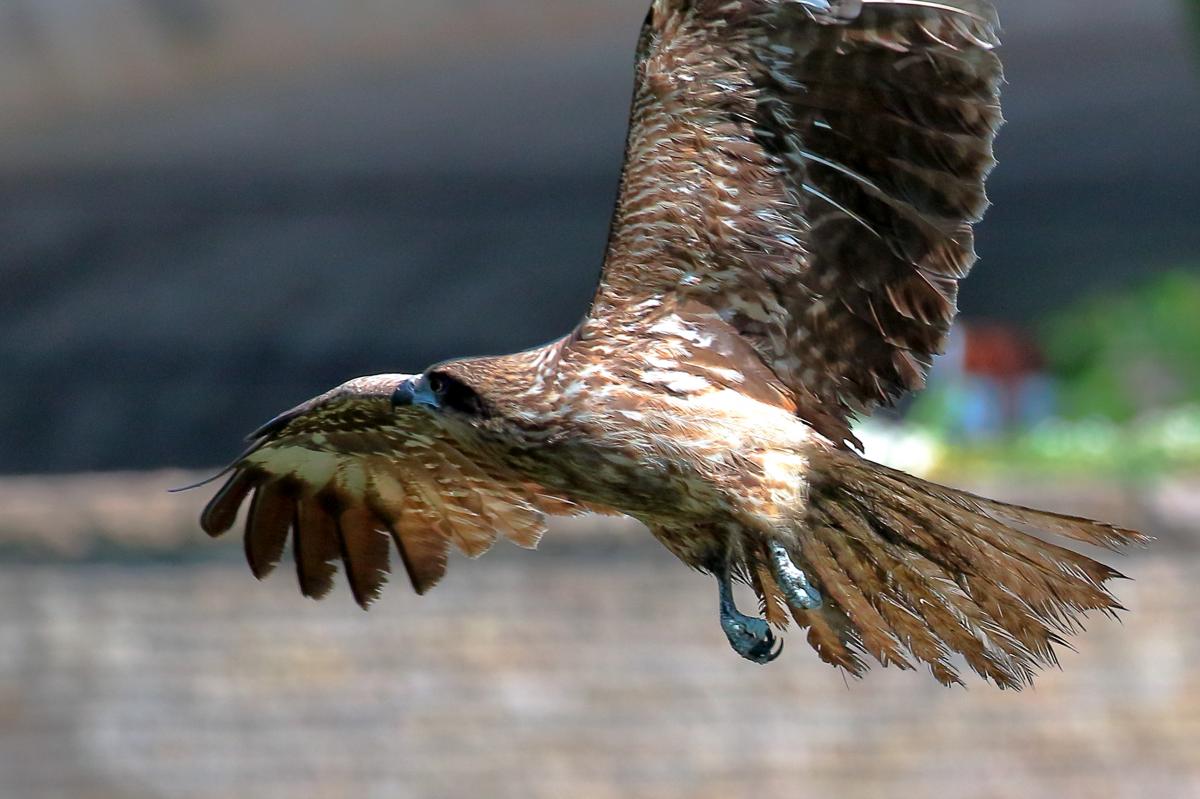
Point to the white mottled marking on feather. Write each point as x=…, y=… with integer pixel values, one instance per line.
x=388, y=489
x=662, y=363
x=313, y=467
x=731, y=375
x=768, y=420
x=678, y=382
x=674, y=326
x=594, y=369
x=783, y=467
x=351, y=477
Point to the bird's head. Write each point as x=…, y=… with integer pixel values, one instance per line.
x=441, y=390
x=481, y=392
x=493, y=392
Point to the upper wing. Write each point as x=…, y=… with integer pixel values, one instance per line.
x=346, y=469
x=811, y=170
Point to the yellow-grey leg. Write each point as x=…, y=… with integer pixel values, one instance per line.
x=797, y=590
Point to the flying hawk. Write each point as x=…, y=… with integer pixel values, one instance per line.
x=795, y=214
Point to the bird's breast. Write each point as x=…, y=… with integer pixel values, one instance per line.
x=665, y=457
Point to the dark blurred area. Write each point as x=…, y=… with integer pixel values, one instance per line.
x=211, y=210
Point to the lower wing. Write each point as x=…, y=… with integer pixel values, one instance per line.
x=348, y=473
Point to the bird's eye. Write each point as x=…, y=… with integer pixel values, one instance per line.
x=453, y=393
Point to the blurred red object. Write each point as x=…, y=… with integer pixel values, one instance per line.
x=1001, y=352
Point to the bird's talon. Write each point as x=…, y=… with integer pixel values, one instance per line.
x=777, y=651
x=766, y=650
x=750, y=637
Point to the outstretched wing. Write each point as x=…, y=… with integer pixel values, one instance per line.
x=810, y=171
x=346, y=471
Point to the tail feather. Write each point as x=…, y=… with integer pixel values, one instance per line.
x=1033, y=551
x=1015, y=562
x=833, y=636
x=1049, y=578
x=912, y=585
x=843, y=579
x=1088, y=531
x=913, y=570
x=882, y=588
x=961, y=625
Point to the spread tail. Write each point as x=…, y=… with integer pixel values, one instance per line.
x=914, y=572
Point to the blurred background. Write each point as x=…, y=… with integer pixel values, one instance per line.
x=211, y=210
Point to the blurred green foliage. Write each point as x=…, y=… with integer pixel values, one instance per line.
x=1126, y=374
x=1158, y=443
x=1117, y=356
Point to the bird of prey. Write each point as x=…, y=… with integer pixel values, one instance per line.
x=795, y=213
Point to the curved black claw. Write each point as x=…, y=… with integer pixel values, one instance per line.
x=751, y=638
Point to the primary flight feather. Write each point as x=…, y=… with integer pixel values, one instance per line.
x=800, y=182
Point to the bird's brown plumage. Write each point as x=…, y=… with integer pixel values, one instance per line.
x=795, y=214
x=812, y=176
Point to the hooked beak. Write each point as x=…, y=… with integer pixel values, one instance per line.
x=414, y=391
